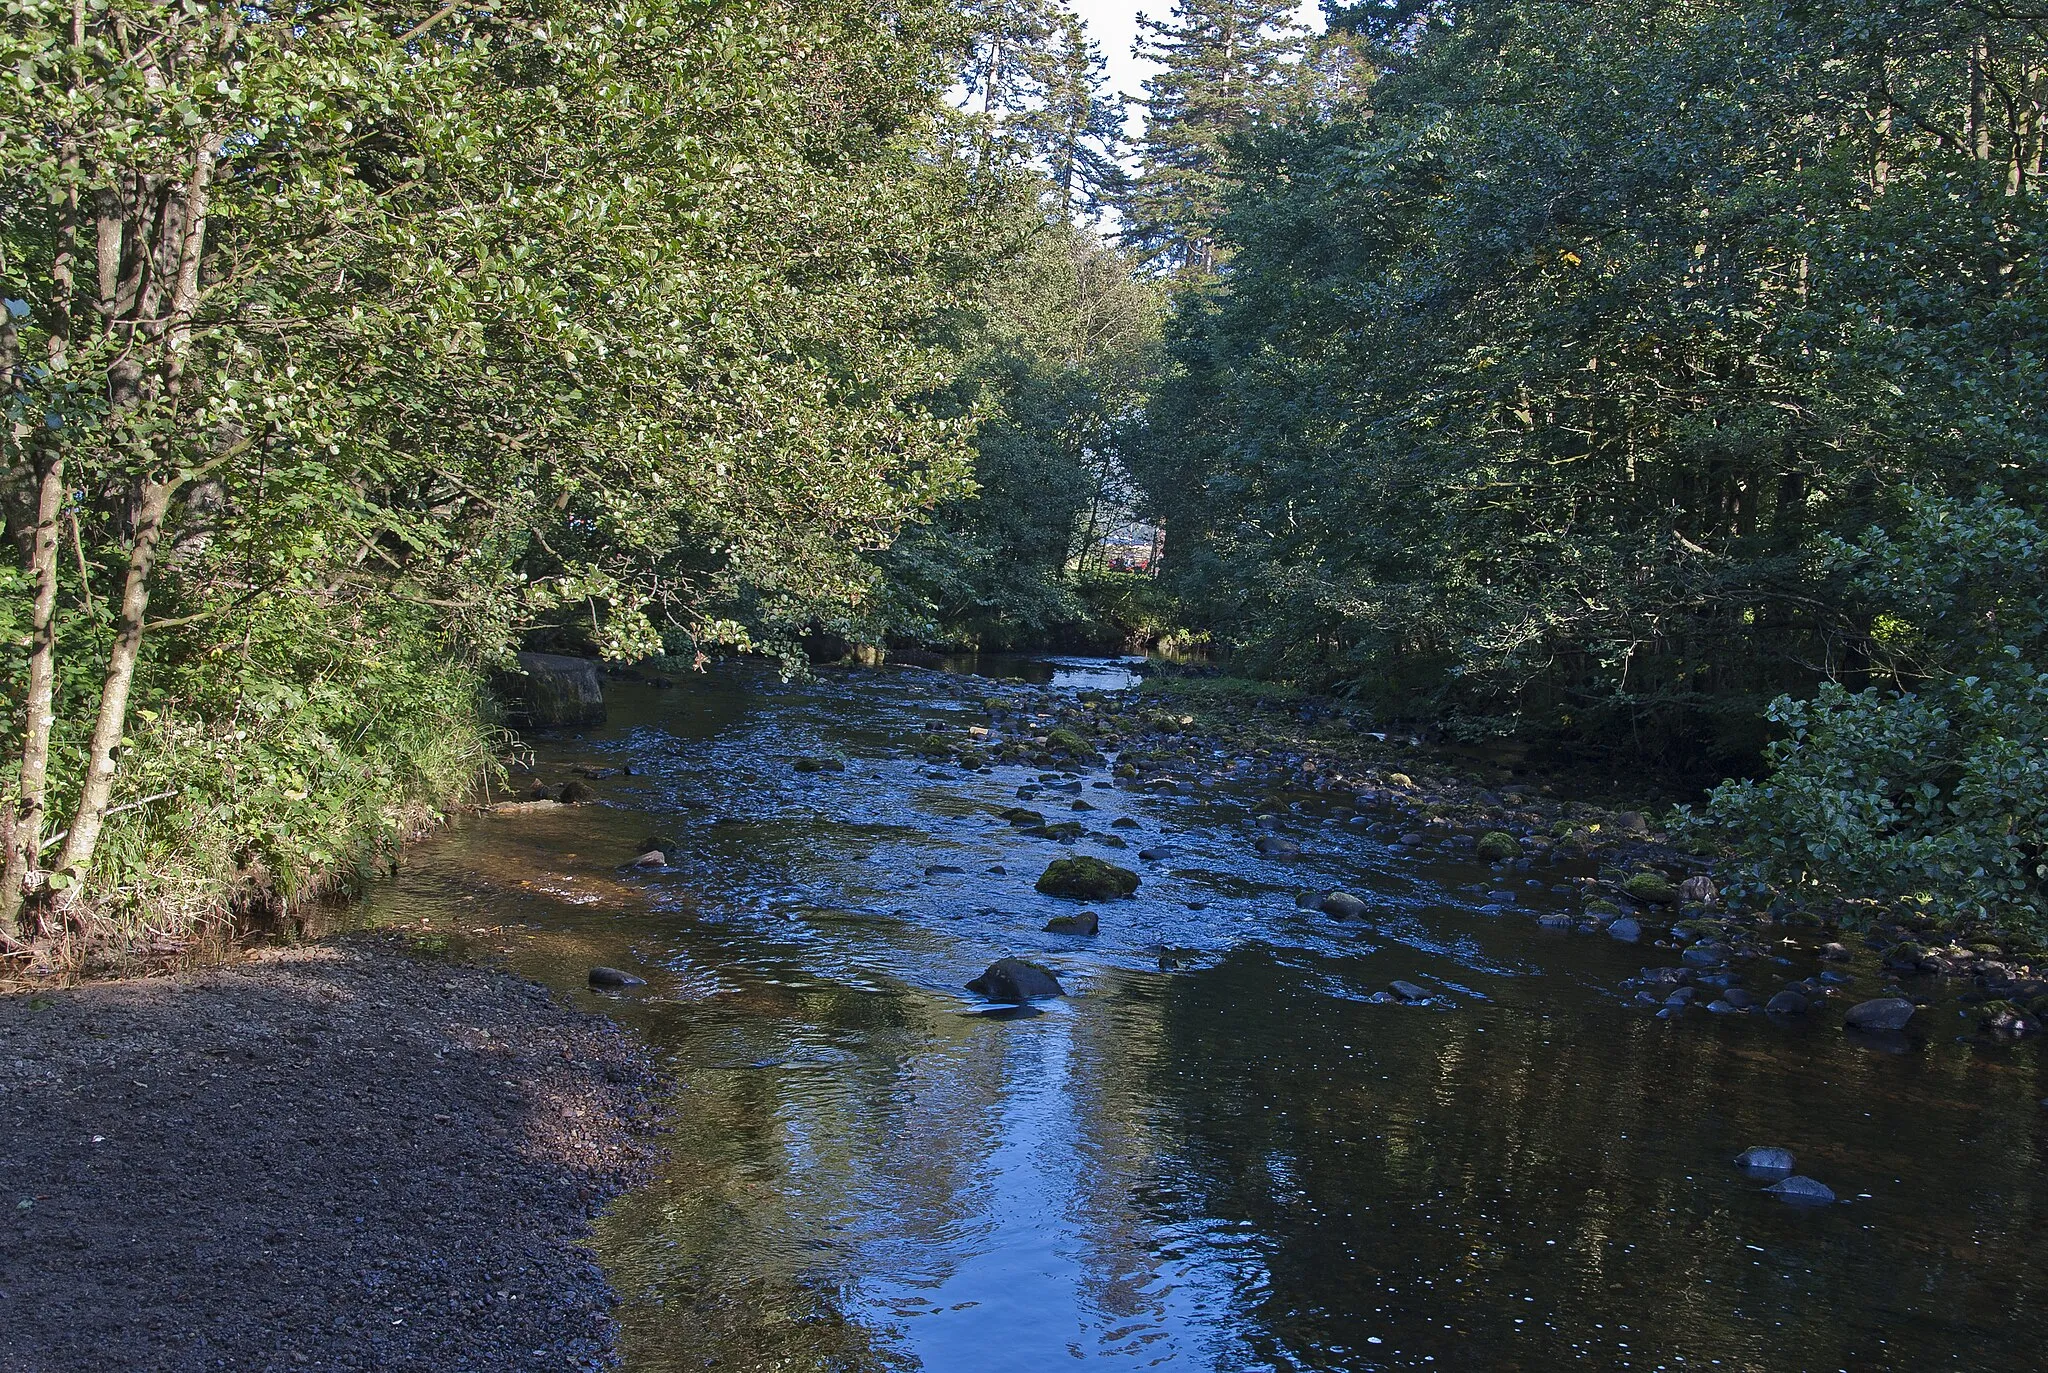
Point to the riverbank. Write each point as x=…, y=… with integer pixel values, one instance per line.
x=330, y=1156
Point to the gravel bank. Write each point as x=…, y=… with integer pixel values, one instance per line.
x=327, y=1157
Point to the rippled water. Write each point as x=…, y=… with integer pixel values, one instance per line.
x=1217, y=1153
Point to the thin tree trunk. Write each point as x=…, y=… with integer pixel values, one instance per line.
x=25, y=832
x=25, y=828
x=90, y=816
x=181, y=243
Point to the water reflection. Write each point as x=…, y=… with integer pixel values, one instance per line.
x=1240, y=1163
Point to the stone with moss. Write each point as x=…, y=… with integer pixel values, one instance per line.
x=1087, y=879
x=1603, y=908
x=1651, y=888
x=1498, y=846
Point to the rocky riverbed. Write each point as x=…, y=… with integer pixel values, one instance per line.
x=1015, y=1018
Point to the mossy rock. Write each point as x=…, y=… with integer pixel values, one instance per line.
x=1020, y=816
x=1651, y=888
x=1498, y=846
x=1067, y=741
x=1599, y=907
x=1062, y=832
x=1087, y=879
x=971, y=759
x=932, y=745
x=820, y=765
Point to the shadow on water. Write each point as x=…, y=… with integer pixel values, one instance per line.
x=1219, y=1152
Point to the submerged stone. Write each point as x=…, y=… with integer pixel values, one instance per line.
x=614, y=977
x=1344, y=905
x=1084, y=922
x=1086, y=879
x=1881, y=1013
x=1803, y=1191
x=1016, y=979
x=1766, y=1158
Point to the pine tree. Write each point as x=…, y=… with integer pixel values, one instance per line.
x=1077, y=128
x=1039, y=87
x=1226, y=65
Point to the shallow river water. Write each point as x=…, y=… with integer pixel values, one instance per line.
x=1217, y=1152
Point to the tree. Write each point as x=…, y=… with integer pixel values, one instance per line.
x=1226, y=67
x=336, y=319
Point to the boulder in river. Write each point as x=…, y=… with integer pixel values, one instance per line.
x=819, y=765
x=1408, y=991
x=1787, y=1002
x=575, y=794
x=1802, y=1191
x=653, y=858
x=1882, y=1013
x=1154, y=855
x=1344, y=905
x=1082, y=922
x=1651, y=888
x=1086, y=879
x=1021, y=816
x=551, y=690
x=663, y=842
x=1016, y=979
x=1498, y=846
x=1766, y=1160
x=1277, y=846
x=1627, y=929
x=614, y=977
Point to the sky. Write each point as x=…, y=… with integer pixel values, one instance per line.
x=1114, y=24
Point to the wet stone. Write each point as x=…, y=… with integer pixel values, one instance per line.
x=1016, y=980
x=1766, y=1160
x=1882, y=1013
x=1408, y=991
x=614, y=977
x=1626, y=929
x=1802, y=1191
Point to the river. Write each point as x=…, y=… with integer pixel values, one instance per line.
x=1217, y=1152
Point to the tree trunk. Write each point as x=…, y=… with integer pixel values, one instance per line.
x=25, y=830
x=91, y=814
x=177, y=251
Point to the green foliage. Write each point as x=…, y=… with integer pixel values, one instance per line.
x=635, y=326
x=1059, y=357
x=1553, y=359
x=1934, y=799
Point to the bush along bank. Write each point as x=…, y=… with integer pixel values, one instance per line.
x=1620, y=873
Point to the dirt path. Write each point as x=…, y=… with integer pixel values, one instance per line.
x=329, y=1157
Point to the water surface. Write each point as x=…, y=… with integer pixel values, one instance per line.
x=1218, y=1152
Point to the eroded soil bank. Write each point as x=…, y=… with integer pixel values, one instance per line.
x=335, y=1156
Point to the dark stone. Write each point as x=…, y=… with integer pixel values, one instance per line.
x=1015, y=979
x=551, y=690
x=1705, y=955
x=1123, y=822
x=653, y=858
x=663, y=842
x=1882, y=1013
x=1627, y=929
x=574, y=794
x=1766, y=1159
x=1154, y=855
x=820, y=765
x=1275, y=846
x=613, y=977
x=1020, y=816
x=1085, y=922
x=1803, y=1191
x=1408, y=991
x=1086, y=879
x=1344, y=905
